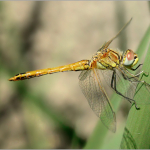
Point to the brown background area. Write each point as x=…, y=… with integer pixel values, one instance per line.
x=36, y=35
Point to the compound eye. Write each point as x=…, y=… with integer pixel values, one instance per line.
x=130, y=55
x=129, y=59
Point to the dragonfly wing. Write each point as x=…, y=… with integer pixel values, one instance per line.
x=102, y=47
x=90, y=83
x=105, y=45
x=124, y=86
x=132, y=82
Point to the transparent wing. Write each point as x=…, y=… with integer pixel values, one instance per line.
x=133, y=82
x=125, y=84
x=106, y=44
x=125, y=87
x=90, y=83
x=102, y=47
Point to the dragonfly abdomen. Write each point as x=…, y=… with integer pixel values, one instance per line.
x=80, y=65
x=27, y=75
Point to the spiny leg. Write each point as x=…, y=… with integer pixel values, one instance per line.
x=128, y=78
x=135, y=77
x=136, y=67
x=146, y=73
x=113, y=85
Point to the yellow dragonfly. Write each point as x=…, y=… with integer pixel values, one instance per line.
x=106, y=65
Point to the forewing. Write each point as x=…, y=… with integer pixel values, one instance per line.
x=90, y=83
x=124, y=86
x=106, y=44
x=102, y=47
x=132, y=82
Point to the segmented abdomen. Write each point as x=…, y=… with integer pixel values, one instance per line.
x=80, y=65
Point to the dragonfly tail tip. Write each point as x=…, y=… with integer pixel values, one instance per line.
x=10, y=79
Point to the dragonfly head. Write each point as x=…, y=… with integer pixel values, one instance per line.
x=130, y=58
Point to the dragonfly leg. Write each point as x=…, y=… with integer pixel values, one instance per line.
x=138, y=74
x=136, y=67
x=128, y=78
x=113, y=85
x=134, y=77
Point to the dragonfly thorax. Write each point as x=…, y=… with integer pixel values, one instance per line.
x=106, y=59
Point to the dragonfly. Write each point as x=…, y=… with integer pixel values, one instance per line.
x=106, y=65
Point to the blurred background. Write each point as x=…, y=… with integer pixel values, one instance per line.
x=51, y=111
